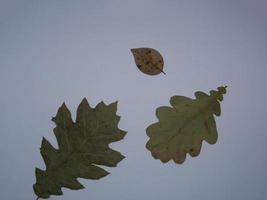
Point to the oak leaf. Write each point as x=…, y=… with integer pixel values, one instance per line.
x=83, y=145
x=182, y=127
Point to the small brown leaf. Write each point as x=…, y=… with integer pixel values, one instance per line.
x=148, y=60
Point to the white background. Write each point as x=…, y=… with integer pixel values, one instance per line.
x=55, y=51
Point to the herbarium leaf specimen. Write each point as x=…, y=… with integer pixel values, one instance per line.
x=148, y=60
x=182, y=127
x=83, y=145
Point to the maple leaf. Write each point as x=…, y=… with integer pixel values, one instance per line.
x=182, y=128
x=83, y=145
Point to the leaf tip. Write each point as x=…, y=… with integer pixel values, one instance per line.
x=222, y=89
x=133, y=50
x=63, y=106
x=84, y=100
x=122, y=157
x=101, y=104
x=114, y=104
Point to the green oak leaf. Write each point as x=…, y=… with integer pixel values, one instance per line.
x=182, y=127
x=83, y=145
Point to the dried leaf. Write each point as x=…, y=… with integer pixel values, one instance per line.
x=83, y=145
x=182, y=127
x=148, y=60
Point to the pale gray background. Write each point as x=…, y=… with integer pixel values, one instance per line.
x=61, y=50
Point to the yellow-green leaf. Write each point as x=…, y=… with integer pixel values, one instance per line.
x=182, y=127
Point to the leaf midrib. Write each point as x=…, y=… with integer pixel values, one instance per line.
x=74, y=151
x=200, y=112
